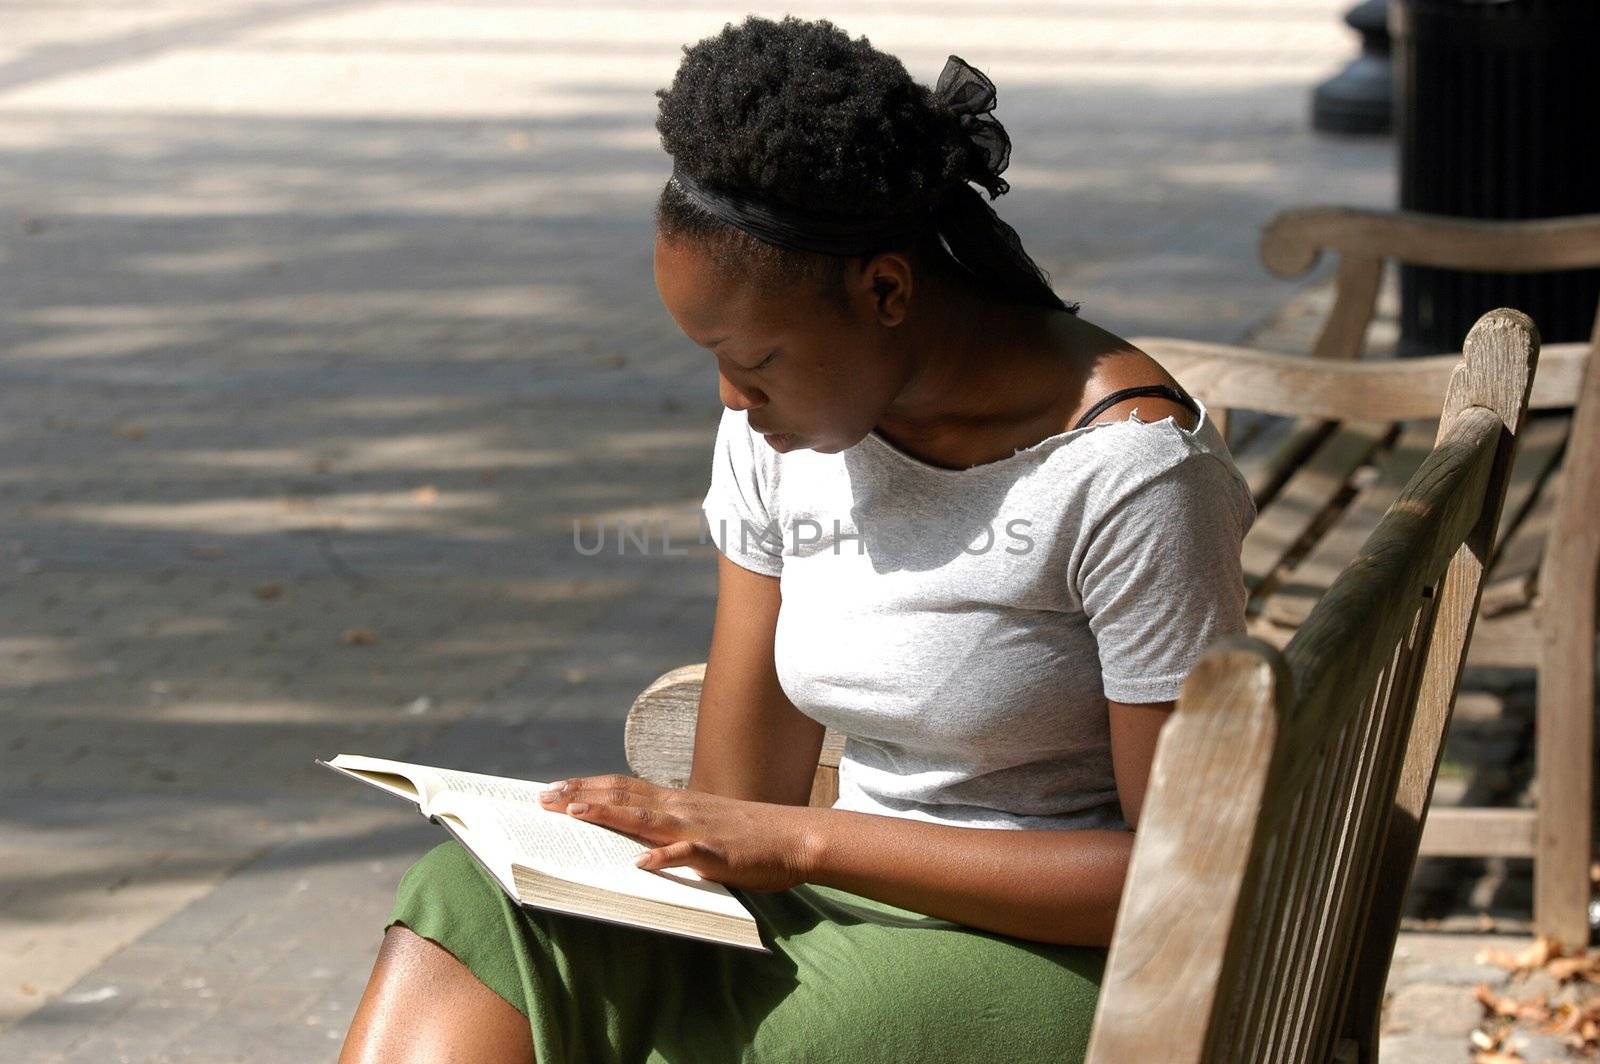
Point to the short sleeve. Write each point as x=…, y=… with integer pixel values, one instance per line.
x=740, y=513
x=1160, y=578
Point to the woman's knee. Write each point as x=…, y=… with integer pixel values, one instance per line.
x=423, y=1004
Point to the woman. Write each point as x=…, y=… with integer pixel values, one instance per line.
x=996, y=566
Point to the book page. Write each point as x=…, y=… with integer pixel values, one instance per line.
x=580, y=852
x=503, y=788
x=541, y=838
x=589, y=846
x=401, y=778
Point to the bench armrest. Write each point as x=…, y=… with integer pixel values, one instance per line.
x=1230, y=377
x=1364, y=239
x=1293, y=240
x=658, y=736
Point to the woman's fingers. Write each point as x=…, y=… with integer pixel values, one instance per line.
x=635, y=807
x=613, y=789
x=643, y=823
x=666, y=856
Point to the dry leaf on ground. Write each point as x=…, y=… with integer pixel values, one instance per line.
x=1535, y=955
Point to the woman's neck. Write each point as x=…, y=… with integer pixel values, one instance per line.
x=989, y=376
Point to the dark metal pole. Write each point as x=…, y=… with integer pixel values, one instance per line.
x=1360, y=98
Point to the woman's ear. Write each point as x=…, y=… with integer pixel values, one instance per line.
x=889, y=275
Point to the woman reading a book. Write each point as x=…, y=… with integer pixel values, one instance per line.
x=976, y=534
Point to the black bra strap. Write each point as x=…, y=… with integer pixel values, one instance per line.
x=1162, y=390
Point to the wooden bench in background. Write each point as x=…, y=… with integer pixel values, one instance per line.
x=1322, y=481
x=1289, y=789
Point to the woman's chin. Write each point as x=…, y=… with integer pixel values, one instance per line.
x=788, y=441
x=783, y=441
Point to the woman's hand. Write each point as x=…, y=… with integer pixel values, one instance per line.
x=756, y=846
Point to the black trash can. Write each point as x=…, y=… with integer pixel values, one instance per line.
x=1497, y=116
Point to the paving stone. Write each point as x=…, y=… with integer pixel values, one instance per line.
x=1423, y=1049
x=1422, y=1009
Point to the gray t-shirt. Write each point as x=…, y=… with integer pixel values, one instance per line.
x=964, y=628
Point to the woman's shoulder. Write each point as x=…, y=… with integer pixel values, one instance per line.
x=1153, y=420
x=1147, y=451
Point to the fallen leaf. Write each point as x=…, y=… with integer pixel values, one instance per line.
x=427, y=495
x=358, y=637
x=1564, y=969
x=1497, y=957
x=268, y=591
x=1539, y=953
x=1536, y=954
x=1566, y=1021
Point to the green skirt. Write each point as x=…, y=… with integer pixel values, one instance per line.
x=850, y=980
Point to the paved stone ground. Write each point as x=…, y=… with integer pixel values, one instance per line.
x=322, y=322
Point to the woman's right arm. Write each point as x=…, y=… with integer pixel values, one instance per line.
x=750, y=741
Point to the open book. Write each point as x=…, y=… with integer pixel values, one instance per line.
x=548, y=859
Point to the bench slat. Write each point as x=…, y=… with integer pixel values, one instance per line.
x=1275, y=450
x=1530, y=508
x=1480, y=833
x=1544, y=438
x=1306, y=497
x=1292, y=600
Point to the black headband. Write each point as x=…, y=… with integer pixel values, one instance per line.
x=791, y=227
x=960, y=89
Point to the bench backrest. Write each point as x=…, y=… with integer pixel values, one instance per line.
x=1368, y=241
x=1349, y=413
x=1287, y=795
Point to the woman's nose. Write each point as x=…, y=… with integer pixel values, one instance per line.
x=735, y=398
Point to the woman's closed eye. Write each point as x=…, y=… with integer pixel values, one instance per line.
x=764, y=363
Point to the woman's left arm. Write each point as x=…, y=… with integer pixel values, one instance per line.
x=1049, y=886
x=1058, y=886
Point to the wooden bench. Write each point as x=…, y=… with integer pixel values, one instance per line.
x=1321, y=482
x=1288, y=790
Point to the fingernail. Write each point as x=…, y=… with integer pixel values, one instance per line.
x=549, y=796
x=578, y=807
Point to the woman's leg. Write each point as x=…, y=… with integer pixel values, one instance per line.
x=422, y=1005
